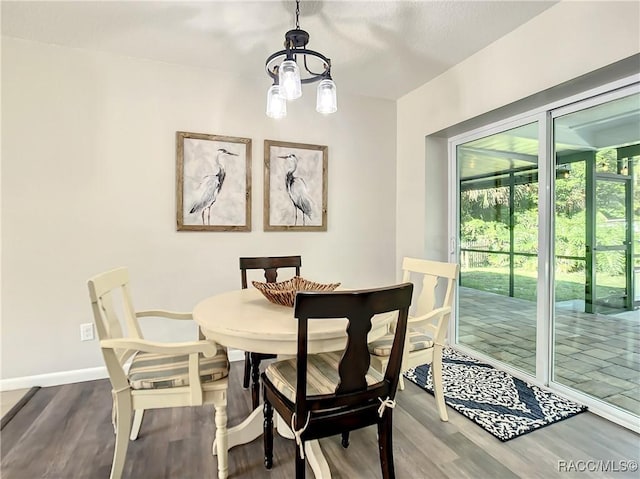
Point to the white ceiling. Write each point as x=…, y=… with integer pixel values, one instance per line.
x=382, y=49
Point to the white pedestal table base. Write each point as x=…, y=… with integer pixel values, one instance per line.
x=252, y=428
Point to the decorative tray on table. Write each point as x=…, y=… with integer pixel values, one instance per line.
x=284, y=293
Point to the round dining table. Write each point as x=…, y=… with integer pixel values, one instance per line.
x=245, y=320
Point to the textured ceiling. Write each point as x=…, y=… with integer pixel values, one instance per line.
x=377, y=48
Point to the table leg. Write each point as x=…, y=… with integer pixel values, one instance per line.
x=252, y=428
x=245, y=432
x=316, y=460
x=312, y=451
x=283, y=428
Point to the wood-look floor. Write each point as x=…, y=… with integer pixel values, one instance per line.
x=65, y=432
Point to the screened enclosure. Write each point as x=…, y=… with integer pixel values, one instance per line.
x=557, y=188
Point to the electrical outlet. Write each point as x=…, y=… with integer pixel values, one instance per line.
x=86, y=332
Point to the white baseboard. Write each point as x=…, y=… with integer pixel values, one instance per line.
x=53, y=379
x=75, y=376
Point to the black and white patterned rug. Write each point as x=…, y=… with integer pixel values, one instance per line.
x=503, y=405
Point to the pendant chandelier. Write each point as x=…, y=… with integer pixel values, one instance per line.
x=288, y=77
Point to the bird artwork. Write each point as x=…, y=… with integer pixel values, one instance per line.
x=297, y=190
x=210, y=187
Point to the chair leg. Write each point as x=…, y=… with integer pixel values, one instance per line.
x=123, y=429
x=255, y=380
x=385, y=446
x=268, y=434
x=222, y=436
x=345, y=439
x=247, y=370
x=438, y=388
x=300, y=466
x=401, y=383
x=137, y=422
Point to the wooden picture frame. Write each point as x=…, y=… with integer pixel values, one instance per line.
x=295, y=186
x=213, y=182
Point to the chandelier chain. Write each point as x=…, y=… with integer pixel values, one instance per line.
x=288, y=76
x=297, y=14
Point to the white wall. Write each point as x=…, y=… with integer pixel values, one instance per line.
x=88, y=183
x=564, y=42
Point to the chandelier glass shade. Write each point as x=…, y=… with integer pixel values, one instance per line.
x=288, y=75
x=276, y=103
x=326, y=100
x=289, y=80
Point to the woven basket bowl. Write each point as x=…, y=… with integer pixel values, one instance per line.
x=284, y=293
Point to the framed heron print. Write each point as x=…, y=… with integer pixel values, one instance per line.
x=213, y=182
x=295, y=186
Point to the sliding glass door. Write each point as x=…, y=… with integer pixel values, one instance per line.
x=548, y=240
x=498, y=184
x=597, y=326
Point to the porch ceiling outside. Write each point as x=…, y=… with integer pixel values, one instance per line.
x=609, y=126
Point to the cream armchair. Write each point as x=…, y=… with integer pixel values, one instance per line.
x=427, y=327
x=160, y=375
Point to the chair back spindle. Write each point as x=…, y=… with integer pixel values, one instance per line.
x=270, y=265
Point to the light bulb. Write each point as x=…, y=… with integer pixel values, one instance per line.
x=289, y=80
x=276, y=104
x=326, y=99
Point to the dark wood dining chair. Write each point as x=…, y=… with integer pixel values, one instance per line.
x=270, y=265
x=328, y=394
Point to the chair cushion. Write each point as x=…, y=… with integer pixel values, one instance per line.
x=417, y=341
x=322, y=375
x=158, y=371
